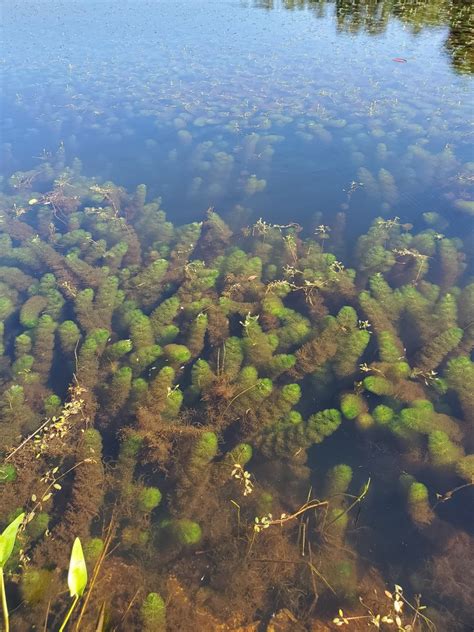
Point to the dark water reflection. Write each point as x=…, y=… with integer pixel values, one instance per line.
x=374, y=17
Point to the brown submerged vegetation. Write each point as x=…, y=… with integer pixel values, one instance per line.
x=160, y=388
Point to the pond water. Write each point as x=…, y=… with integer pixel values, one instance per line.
x=335, y=140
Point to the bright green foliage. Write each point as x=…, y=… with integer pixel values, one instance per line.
x=378, y=385
x=338, y=480
x=352, y=405
x=421, y=417
x=291, y=393
x=8, y=473
x=174, y=402
x=383, y=415
x=7, y=539
x=118, y=349
x=148, y=499
x=441, y=450
x=176, y=354
x=202, y=452
x=153, y=613
x=186, y=532
x=241, y=454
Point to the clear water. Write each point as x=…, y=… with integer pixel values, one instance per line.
x=282, y=113
x=294, y=111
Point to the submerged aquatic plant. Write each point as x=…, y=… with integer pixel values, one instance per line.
x=200, y=375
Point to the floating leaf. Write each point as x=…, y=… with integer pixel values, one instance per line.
x=77, y=574
x=7, y=539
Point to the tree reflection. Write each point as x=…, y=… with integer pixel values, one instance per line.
x=373, y=16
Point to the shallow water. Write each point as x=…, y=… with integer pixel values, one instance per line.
x=313, y=115
x=196, y=98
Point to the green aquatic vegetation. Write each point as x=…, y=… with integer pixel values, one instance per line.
x=118, y=391
x=7, y=542
x=442, y=451
x=241, y=454
x=191, y=364
x=31, y=311
x=284, y=439
x=435, y=351
x=459, y=374
x=465, y=468
x=418, y=504
x=8, y=473
x=93, y=548
x=69, y=336
x=378, y=385
x=195, y=338
x=35, y=585
x=181, y=531
x=352, y=405
x=338, y=479
x=164, y=314
x=39, y=525
x=148, y=499
x=177, y=354
x=422, y=418
x=76, y=579
x=153, y=613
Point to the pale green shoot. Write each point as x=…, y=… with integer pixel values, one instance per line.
x=7, y=542
x=76, y=578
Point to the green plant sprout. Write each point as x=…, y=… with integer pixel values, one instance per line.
x=7, y=542
x=76, y=578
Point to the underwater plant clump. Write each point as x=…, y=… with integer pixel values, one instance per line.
x=167, y=394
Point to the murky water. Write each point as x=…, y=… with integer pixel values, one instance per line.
x=267, y=417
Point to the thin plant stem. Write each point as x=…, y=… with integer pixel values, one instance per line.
x=6, y=621
x=70, y=611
